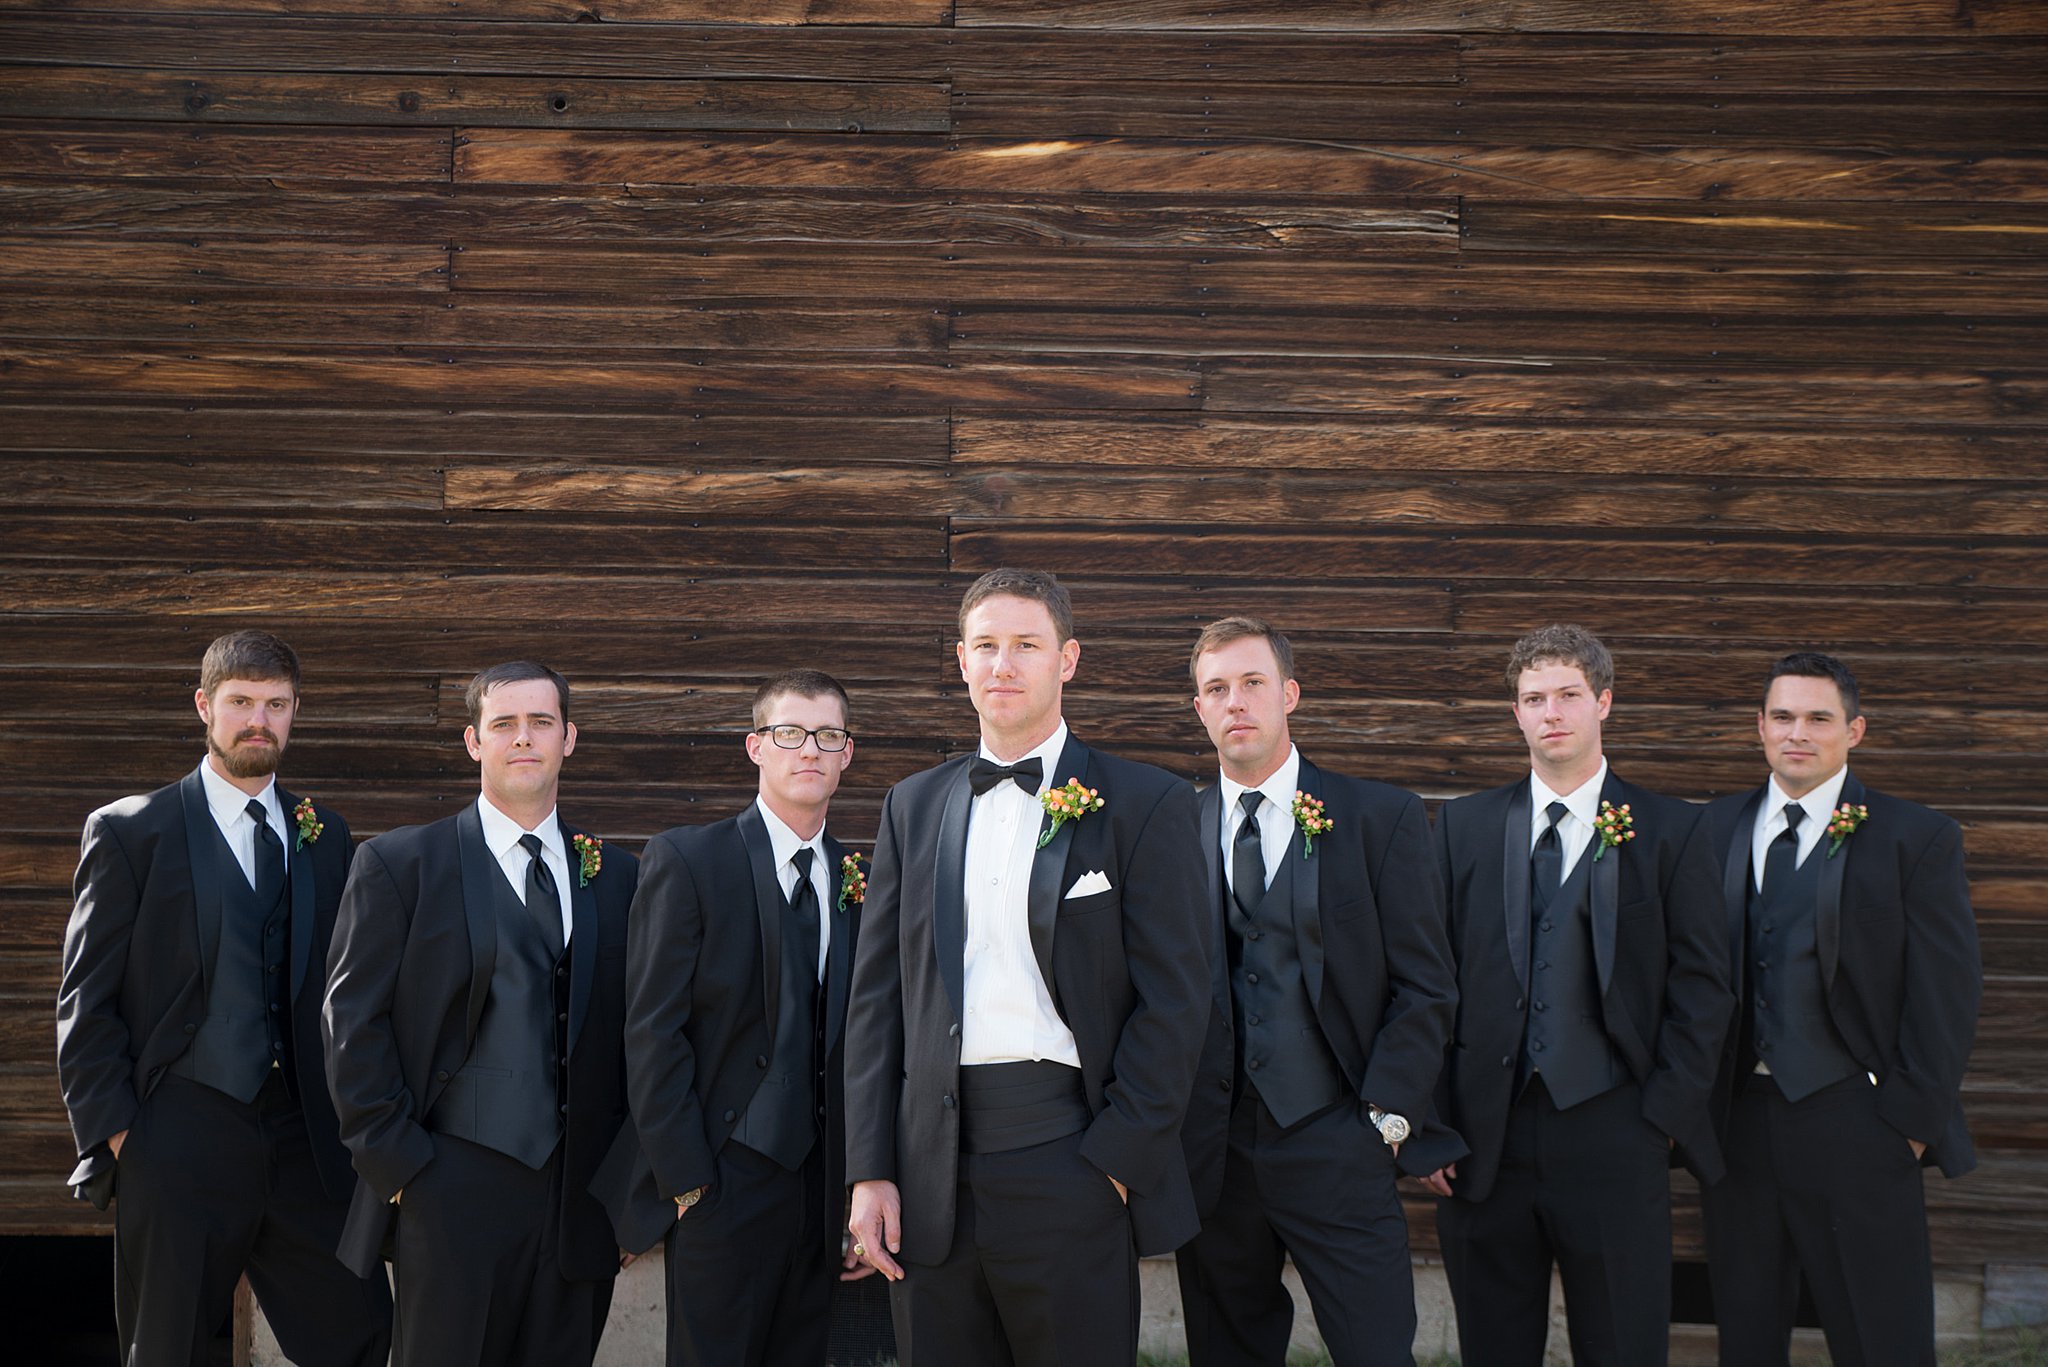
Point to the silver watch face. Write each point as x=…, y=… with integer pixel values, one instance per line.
x=1394, y=1128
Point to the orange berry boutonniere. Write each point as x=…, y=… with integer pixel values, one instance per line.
x=853, y=883
x=1843, y=823
x=1069, y=802
x=589, y=857
x=308, y=822
x=1308, y=815
x=1614, y=826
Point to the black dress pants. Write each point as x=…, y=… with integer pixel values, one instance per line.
x=1588, y=1189
x=1822, y=1187
x=478, y=1267
x=752, y=1266
x=1322, y=1192
x=209, y=1188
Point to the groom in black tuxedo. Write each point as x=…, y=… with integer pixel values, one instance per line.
x=1849, y=929
x=1028, y=1006
x=188, y=1039
x=1333, y=1001
x=1592, y=999
x=741, y=949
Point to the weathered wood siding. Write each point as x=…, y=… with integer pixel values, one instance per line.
x=679, y=342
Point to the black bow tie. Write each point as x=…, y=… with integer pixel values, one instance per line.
x=985, y=774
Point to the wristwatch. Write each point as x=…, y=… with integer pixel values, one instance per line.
x=690, y=1198
x=1393, y=1128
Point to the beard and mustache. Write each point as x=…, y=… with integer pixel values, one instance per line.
x=248, y=761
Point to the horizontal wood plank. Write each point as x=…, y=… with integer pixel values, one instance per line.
x=76, y=263
x=1940, y=231
x=367, y=99
x=558, y=11
x=1847, y=17
x=109, y=150
x=1524, y=63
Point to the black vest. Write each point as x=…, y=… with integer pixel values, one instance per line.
x=511, y=1094
x=1281, y=1047
x=1564, y=1038
x=1788, y=1011
x=782, y=1120
x=248, y=1021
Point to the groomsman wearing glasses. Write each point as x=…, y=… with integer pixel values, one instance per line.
x=1028, y=1006
x=188, y=1039
x=474, y=1018
x=741, y=948
x=1592, y=999
x=1332, y=1004
x=1849, y=930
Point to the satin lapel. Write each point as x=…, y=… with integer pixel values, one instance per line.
x=205, y=873
x=1210, y=825
x=839, y=952
x=1604, y=893
x=1307, y=872
x=301, y=861
x=1827, y=910
x=583, y=937
x=949, y=888
x=1514, y=880
x=1049, y=865
x=768, y=905
x=478, y=869
x=1735, y=885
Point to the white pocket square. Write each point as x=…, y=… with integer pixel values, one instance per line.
x=1087, y=885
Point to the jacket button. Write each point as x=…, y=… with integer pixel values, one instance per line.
x=190, y=1028
x=1521, y=1003
x=1224, y=1083
x=947, y=1101
x=760, y=1060
x=954, y=1031
x=729, y=1116
x=441, y=1076
x=1507, y=1060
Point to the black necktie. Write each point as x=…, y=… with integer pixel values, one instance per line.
x=541, y=898
x=985, y=774
x=1546, y=862
x=1248, y=856
x=1782, y=856
x=803, y=900
x=269, y=880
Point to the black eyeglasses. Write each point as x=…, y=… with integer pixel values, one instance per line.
x=829, y=738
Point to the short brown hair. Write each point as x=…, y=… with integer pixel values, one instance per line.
x=1036, y=585
x=256, y=656
x=1224, y=630
x=802, y=683
x=512, y=671
x=1562, y=643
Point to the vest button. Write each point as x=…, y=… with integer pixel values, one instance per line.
x=563, y=1108
x=1250, y=1019
x=1544, y=926
x=947, y=1101
x=760, y=1060
x=441, y=1076
x=1224, y=1083
x=561, y=1017
x=1251, y=977
x=1251, y=1065
x=1536, y=1046
x=729, y=1115
x=190, y=1028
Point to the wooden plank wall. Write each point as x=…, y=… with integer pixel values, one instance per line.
x=679, y=342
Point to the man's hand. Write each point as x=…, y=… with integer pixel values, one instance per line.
x=1919, y=1150
x=1440, y=1180
x=1123, y=1193
x=626, y=1259
x=114, y=1144
x=877, y=1226
x=852, y=1269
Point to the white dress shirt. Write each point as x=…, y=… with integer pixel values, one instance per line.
x=1575, y=827
x=824, y=878
x=501, y=837
x=1276, y=815
x=1009, y=1013
x=230, y=808
x=1820, y=807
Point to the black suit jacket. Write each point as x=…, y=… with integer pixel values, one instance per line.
x=1127, y=968
x=1898, y=957
x=702, y=981
x=408, y=974
x=1369, y=929
x=141, y=942
x=1665, y=1001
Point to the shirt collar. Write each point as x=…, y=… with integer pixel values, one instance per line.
x=228, y=803
x=1278, y=789
x=1047, y=750
x=501, y=832
x=1819, y=804
x=786, y=842
x=1582, y=802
